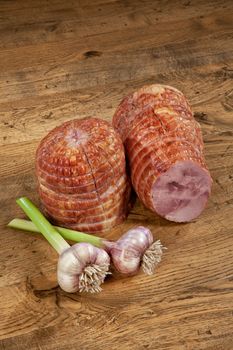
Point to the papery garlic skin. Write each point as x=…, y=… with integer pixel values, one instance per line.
x=127, y=252
x=82, y=267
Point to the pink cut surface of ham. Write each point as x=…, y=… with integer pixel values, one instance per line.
x=164, y=146
x=81, y=176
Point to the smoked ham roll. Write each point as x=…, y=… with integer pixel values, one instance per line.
x=81, y=174
x=164, y=147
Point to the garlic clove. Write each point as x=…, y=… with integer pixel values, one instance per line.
x=68, y=283
x=126, y=261
x=86, y=253
x=138, y=238
x=102, y=258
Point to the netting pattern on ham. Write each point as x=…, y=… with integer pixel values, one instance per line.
x=82, y=181
x=162, y=137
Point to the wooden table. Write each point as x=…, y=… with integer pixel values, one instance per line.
x=66, y=59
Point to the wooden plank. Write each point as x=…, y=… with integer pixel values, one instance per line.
x=26, y=25
x=30, y=119
x=37, y=104
x=61, y=60
x=127, y=38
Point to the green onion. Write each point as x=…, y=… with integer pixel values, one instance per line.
x=66, y=233
x=43, y=225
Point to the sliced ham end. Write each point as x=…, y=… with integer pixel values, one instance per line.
x=181, y=193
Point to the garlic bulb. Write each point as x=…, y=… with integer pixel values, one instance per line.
x=134, y=249
x=83, y=268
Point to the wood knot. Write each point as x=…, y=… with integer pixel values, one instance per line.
x=89, y=54
x=200, y=115
x=202, y=118
x=227, y=103
x=224, y=73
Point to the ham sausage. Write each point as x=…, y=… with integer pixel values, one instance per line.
x=164, y=146
x=81, y=175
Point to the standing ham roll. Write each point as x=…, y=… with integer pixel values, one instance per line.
x=82, y=181
x=164, y=146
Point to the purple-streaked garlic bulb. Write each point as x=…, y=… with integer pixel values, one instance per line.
x=134, y=249
x=82, y=267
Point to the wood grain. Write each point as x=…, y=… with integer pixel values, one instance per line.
x=61, y=60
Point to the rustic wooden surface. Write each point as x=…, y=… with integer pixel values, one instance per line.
x=63, y=59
